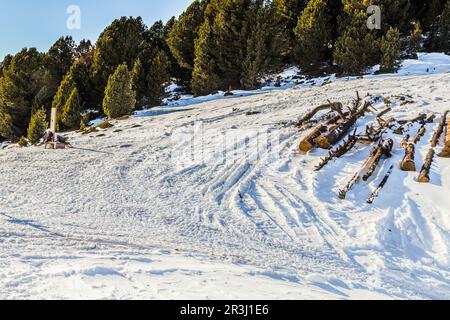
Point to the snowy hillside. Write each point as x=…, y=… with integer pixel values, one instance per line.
x=211, y=198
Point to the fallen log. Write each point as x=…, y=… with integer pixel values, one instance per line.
x=308, y=143
x=446, y=150
x=381, y=114
x=341, y=150
x=419, y=134
x=408, y=163
x=380, y=186
x=369, y=165
x=339, y=132
x=405, y=141
x=383, y=149
x=424, y=176
x=440, y=129
x=313, y=112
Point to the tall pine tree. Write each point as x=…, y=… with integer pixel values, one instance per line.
x=390, y=51
x=120, y=99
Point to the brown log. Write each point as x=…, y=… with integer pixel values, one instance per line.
x=381, y=114
x=431, y=118
x=308, y=143
x=404, y=143
x=313, y=112
x=424, y=176
x=439, y=130
x=446, y=150
x=383, y=149
x=419, y=134
x=408, y=163
x=341, y=150
x=339, y=132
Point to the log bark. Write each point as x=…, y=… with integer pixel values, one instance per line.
x=339, y=132
x=383, y=149
x=446, y=150
x=408, y=163
x=439, y=130
x=313, y=112
x=369, y=165
x=341, y=150
x=424, y=176
x=419, y=134
x=380, y=186
x=381, y=114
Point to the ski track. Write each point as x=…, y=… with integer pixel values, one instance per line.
x=126, y=195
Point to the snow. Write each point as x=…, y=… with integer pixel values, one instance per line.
x=209, y=199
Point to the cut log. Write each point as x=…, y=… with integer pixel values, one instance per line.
x=424, y=176
x=419, y=134
x=307, y=143
x=446, y=150
x=408, y=163
x=341, y=150
x=404, y=143
x=431, y=118
x=384, y=149
x=339, y=132
x=439, y=130
x=313, y=112
x=380, y=186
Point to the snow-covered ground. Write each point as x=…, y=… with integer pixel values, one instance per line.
x=210, y=199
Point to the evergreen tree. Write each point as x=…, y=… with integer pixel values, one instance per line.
x=120, y=99
x=256, y=61
x=5, y=63
x=139, y=83
x=59, y=58
x=181, y=38
x=444, y=29
x=390, y=51
x=62, y=95
x=415, y=40
x=38, y=125
x=313, y=34
x=204, y=76
x=283, y=19
x=71, y=115
x=22, y=80
x=357, y=48
x=121, y=42
x=434, y=9
x=158, y=76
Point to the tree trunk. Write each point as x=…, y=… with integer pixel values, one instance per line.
x=424, y=176
x=446, y=151
x=339, y=132
x=439, y=130
x=380, y=186
x=307, y=144
x=419, y=134
x=408, y=163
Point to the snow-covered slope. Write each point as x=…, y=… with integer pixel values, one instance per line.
x=212, y=200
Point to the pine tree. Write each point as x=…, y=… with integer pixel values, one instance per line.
x=357, y=48
x=139, y=83
x=121, y=42
x=181, y=38
x=60, y=57
x=38, y=125
x=390, y=51
x=158, y=77
x=444, y=29
x=256, y=61
x=434, y=9
x=63, y=93
x=120, y=99
x=415, y=40
x=313, y=34
x=283, y=18
x=21, y=82
x=71, y=115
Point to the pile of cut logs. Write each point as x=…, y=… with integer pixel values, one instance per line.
x=337, y=124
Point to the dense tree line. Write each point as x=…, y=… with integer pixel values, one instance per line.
x=213, y=45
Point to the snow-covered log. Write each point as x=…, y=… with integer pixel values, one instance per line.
x=408, y=163
x=380, y=186
x=424, y=176
x=446, y=151
x=439, y=130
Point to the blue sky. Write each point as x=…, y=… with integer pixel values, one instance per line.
x=31, y=23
